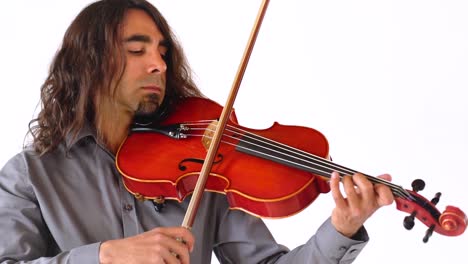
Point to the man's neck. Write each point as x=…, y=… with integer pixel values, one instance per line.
x=113, y=128
x=115, y=136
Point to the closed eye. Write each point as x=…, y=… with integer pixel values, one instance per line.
x=137, y=52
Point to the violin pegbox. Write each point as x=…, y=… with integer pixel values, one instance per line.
x=452, y=222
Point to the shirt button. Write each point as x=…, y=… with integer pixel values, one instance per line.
x=128, y=207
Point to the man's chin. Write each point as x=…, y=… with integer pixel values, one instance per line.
x=145, y=117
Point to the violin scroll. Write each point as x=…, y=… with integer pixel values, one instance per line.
x=452, y=222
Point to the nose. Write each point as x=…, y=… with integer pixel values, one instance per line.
x=156, y=63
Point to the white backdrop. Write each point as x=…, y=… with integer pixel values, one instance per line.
x=385, y=81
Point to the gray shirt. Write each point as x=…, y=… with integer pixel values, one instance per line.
x=58, y=208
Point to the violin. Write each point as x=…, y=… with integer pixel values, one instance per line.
x=273, y=173
x=199, y=146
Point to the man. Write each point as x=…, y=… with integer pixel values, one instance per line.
x=63, y=200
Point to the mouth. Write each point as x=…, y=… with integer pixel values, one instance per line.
x=152, y=89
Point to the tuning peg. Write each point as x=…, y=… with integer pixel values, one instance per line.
x=436, y=198
x=418, y=185
x=408, y=222
x=428, y=233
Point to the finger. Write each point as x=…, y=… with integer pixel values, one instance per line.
x=384, y=194
x=335, y=189
x=350, y=189
x=169, y=249
x=169, y=257
x=181, y=234
x=365, y=187
x=386, y=177
x=179, y=241
x=383, y=190
x=179, y=251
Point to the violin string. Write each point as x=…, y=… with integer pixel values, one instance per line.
x=295, y=151
x=322, y=166
x=343, y=170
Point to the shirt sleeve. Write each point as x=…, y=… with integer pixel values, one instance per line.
x=25, y=236
x=328, y=246
x=243, y=238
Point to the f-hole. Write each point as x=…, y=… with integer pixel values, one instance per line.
x=182, y=167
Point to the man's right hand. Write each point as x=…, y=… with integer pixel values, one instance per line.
x=160, y=246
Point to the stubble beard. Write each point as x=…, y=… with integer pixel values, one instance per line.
x=147, y=110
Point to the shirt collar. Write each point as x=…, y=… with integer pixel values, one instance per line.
x=87, y=131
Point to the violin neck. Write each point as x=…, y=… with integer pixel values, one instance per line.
x=298, y=159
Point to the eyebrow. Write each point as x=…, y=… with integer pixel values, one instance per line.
x=144, y=39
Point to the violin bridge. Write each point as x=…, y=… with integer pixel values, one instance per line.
x=208, y=135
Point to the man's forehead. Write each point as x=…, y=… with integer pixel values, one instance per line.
x=139, y=23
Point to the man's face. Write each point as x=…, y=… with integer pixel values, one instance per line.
x=142, y=87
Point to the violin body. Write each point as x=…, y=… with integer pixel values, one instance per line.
x=163, y=161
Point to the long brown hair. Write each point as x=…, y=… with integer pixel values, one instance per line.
x=88, y=61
